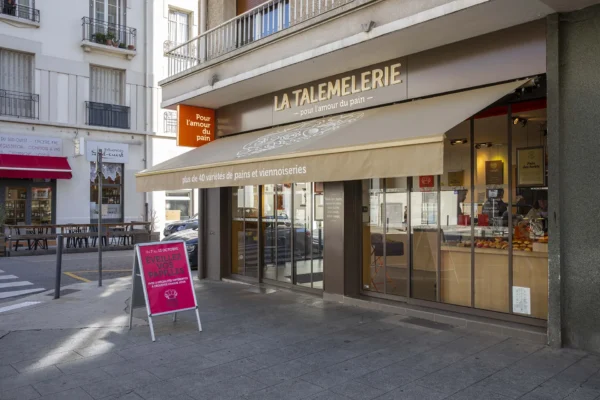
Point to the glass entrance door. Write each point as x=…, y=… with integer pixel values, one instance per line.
x=292, y=226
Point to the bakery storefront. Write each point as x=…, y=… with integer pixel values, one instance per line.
x=421, y=185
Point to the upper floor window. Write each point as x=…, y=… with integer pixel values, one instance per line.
x=107, y=96
x=179, y=27
x=109, y=11
x=16, y=84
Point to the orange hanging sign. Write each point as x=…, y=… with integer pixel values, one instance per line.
x=195, y=126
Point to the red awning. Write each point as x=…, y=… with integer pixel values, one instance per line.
x=34, y=167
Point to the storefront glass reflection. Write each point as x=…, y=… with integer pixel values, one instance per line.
x=244, y=231
x=473, y=229
x=386, y=244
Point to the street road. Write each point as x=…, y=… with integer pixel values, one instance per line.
x=21, y=276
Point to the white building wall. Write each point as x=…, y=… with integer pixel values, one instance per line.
x=62, y=81
x=163, y=146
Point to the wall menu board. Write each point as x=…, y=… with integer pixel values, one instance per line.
x=494, y=172
x=531, y=166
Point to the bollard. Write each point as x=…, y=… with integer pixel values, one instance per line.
x=59, y=249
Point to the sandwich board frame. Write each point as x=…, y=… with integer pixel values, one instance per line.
x=139, y=292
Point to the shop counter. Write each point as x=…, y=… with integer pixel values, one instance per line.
x=530, y=269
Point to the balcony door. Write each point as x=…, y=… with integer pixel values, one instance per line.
x=108, y=11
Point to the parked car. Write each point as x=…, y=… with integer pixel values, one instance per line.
x=190, y=237
x=177, y=226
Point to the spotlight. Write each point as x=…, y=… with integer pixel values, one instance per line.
x=521, y=121
x=458, y=141
x=483, y=145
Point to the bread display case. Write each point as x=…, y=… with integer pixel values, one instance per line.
x=491, y=249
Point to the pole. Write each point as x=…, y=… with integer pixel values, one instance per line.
x=59, y=249
x=100, y=233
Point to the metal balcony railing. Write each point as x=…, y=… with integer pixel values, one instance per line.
x=170, y=120
x=18, y=104
x=266, y=19
x=101, y=32
x=16, y=10
x=108, y=115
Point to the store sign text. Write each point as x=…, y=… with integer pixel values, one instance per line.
x=341, y=87
x=111, y=152
x=30, y=145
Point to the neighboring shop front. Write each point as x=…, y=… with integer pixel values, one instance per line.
x=29, y=169
x=420, y=179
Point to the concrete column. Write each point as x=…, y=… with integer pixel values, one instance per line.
x=218, y=245
x=553, y=113
x=342, y=247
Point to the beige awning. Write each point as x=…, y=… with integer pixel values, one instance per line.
x=399, y=140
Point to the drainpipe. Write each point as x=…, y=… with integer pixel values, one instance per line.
x=202, y=28
x=148, y=61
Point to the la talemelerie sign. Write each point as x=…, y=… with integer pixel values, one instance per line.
x=329, y=94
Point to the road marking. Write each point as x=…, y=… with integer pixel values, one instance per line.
x=104, y=270
x=5, y=295
x=8, y=277
x=19, y=305
x=72, y=275
x=15, y=284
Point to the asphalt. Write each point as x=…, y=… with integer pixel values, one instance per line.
x=38, y=273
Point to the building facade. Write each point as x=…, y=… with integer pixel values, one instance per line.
x=420, y=154
x=75, y=79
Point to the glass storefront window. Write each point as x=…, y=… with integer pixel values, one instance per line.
x=424, y=217
x=456, y=216
x=41, y=206
x=491, y=213
x=178, y=205
x=112, y=192
x=15, y=203
x=386, y=245
x=492, y=195
x=244, y=231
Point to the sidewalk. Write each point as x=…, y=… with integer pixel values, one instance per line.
x=262, y=344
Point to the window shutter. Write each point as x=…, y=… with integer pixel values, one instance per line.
x=16, y=71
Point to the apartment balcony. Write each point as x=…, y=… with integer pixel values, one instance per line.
x=19, y=14
x=107, y=115
x=284, y=43
x=19, y=105
x=104, y=37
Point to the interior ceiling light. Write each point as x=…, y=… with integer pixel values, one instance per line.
x=483, y=145
x=458, y=141
x=518, y=120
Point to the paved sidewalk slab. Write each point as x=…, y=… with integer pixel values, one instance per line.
x=268, y=344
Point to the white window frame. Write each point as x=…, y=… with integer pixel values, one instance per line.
x=174, y=17
x=120, y=11
x=94, y=95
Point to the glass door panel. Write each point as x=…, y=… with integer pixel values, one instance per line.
x=302, y=233
x=251, y=230
x=269, y=210
x=284, y=234
x=396, y=237
x=425, y=238
x=317, y=235
x=237, y=230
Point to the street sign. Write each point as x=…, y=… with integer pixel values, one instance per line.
x=162, y=281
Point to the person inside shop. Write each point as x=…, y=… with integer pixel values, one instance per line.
x=494, y=206
x=535, y=212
